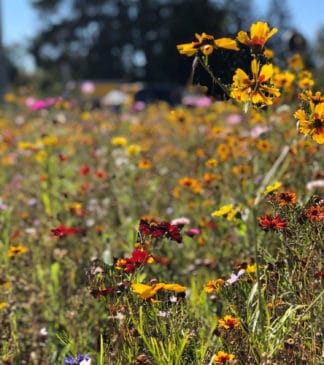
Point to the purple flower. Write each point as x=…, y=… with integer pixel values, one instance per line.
x=70, y=361
x=235, y=277
x=80, y=360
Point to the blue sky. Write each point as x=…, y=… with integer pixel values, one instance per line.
x=20, y=21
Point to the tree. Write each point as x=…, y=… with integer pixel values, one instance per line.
x=126, y=39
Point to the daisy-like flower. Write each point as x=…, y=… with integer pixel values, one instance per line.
x=213, y=285
x=148, y=291
x=283, y=80
x=16, y=251
x=223, y=357
x=267, y=223
x=228, y=322
x=286, y=198
x=228, y=211
x=312, y=122
x=315, y=213
x=259, y=35
x=257, y=90
x=271, y=188
x=206, y=44
x=308, y=96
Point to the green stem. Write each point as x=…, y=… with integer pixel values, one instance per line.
x=212, y=76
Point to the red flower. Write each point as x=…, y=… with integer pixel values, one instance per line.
x=101, y=174
x=103, y=292
x=163, y=229
x=62, y=231
x=267, y=223
x=84, y=170
x=286, y=198
x=315, y=213
x=138, y=259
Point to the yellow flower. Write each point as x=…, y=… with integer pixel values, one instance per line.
x=133, y=150
x=223, y=357
x=256, y=91
x=16, y=250
x=148, y=291
x=227, y=210
x=119, y=141
x=223, y=151
x=305, y=80
x=228, y=322
x=206, y=44
x=211, y=163
x=270, y=188
x=3, y=305
x=283, y=80
x=296, y=62
x=50, y=141
x=40, y=156
x=269, y=54
x=213, y=285
x=263, y=145
x=144, y=164
x=250, y=269
x=259, y=34
x=313, y=123
x=9, y=98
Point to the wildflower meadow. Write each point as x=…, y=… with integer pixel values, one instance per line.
x=188, y=234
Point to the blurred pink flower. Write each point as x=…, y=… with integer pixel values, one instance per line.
x=192, y=232
x=34, y=104
x=88, y=87
x=234, y=119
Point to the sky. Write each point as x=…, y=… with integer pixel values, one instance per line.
x=20, y=20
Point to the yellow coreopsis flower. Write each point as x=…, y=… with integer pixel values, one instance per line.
x=257, y=90
x=283, y=80
x=312, y=123
x=271, y=188
x=119, y=141
x=259, y=34
x=223, y=357
x=148, y=291
x=206, y=44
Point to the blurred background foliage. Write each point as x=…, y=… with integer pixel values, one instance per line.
x=135, y=40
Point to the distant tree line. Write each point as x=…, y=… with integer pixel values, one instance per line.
x=135, y=40
x=128, y=39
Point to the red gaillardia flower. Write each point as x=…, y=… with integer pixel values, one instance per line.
x=62, y=231
x=286, y=198
x=267, y=223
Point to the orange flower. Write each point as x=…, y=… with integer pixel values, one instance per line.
x=213, y=285
x=228, y=322
x=223, y=357
x=286, y=198
x=259, y=34
x=16, y=250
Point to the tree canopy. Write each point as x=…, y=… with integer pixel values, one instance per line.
x=128, y=39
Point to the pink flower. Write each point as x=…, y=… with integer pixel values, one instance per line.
x=88, y=88
x=192, y=232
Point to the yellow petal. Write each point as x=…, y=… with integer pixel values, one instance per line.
x=227, y=43
x=174, y=287
x=266, y=72
x=243, y=37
